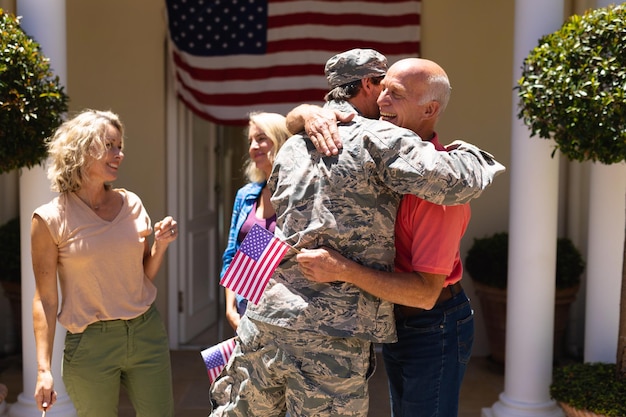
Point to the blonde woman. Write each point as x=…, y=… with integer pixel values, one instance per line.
x=266, y=134
x=95, y=239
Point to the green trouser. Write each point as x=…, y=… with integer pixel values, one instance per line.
x=275, y=370
x=109, y=354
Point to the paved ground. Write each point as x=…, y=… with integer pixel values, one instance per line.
x=483, y=383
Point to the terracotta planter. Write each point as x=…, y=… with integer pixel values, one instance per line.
x=574, y=412
x=493, y=304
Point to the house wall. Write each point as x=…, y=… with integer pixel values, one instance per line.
x=115, y=54
x=476, y=50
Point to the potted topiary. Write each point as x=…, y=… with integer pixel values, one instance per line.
x=487, y=264
x=589, y=389
x=573, y=91
x=32, y=101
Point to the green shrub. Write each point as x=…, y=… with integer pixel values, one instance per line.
x=487, y=261
x=31, y=100
x=590, y=386
x=572, y=86
x=569, y=263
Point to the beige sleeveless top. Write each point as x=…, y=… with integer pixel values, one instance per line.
x=100, y=264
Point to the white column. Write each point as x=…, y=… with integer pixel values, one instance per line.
x=45, y=22
x=532, y=242
x=604, y=261
x=604, y=257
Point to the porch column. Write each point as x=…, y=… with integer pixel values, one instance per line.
x=45, y=22
x=607, y=188
x=532, y=242
x=607, y=206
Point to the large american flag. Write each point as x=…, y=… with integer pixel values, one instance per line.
x=216, y=357
x=231, y=57
x=254, y=263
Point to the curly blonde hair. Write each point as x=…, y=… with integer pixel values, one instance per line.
x=75, y=145
x=274, y=125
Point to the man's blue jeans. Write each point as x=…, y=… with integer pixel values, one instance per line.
x=426, y=366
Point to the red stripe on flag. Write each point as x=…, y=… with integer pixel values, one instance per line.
x=202, y=112
x=276, y=252
x=238, y=265
x=330, y=3
x=233, y=99
x=234, y=74
x=344, y=19
x=316, y=44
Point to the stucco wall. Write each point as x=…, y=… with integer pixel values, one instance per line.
x=115, y=56
x=476, y=50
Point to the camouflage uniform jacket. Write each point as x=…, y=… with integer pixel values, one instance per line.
x=349, y=202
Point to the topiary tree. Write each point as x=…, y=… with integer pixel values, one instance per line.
x=572, y=91
x=573, y=86
x=32, y=101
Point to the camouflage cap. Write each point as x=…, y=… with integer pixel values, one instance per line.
x=354, y=65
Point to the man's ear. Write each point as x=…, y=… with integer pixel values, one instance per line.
x=432, y=109
x=370, y=87
x=366, y=83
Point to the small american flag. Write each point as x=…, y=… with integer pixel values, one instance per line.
x=254, y=263
x=216, y=357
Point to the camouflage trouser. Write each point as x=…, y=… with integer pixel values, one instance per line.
x=274, y=370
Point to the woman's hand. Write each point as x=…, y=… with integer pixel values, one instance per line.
x=45, y=395
x=166, y=230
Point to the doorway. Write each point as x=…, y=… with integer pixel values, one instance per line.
x=204, y=173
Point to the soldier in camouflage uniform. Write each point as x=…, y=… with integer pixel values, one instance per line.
x=307, y=347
